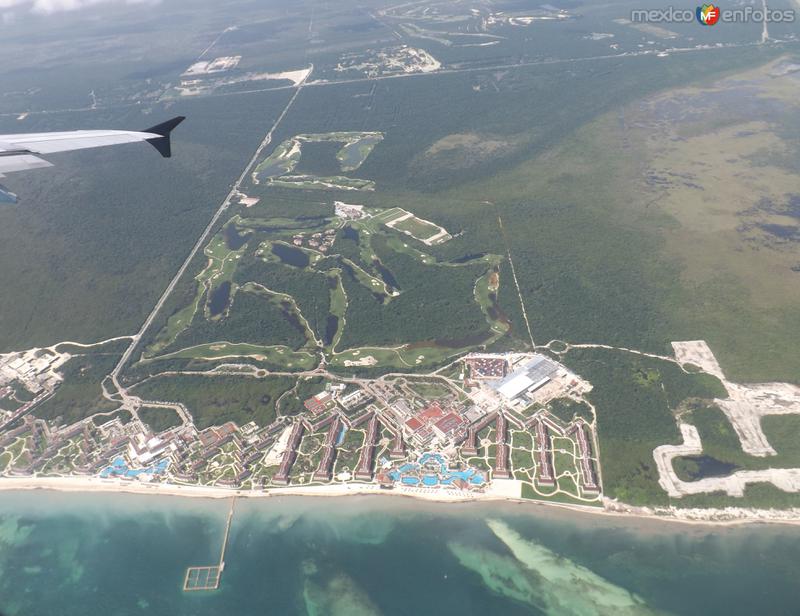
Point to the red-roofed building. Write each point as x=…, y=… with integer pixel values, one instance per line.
x=414, y=424
x=448, y=425
x=431, y=413
x=216, y=434
x=433, y=422
x=317, y=404
x=487, y=367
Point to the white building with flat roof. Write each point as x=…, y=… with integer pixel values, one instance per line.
x=515, y=386
x=534, y=373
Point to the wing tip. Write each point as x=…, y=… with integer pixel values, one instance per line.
x=165, y=128
x=162, y=143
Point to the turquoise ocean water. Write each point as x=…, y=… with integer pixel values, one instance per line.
x=107, y=554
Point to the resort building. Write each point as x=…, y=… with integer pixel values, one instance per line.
x=289, y=456
x=398, y=450
x=325, y=468
x=367, y=457
x=470, y=448
x=486, y=366
x=353, y=399
x=546, y=476
x=143, y=448
x=588, y=475
x=317, y=404
x=501, y=465
x=528, y=378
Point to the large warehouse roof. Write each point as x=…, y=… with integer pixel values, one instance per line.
x=515, y=385
x=533, y=374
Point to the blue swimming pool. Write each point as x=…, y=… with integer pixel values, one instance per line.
x=119, y=468
x=411, y=473
x=436, y=457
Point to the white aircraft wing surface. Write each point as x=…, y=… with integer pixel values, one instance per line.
x=22, y=151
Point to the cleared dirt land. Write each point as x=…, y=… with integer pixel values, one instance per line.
x=744, y=407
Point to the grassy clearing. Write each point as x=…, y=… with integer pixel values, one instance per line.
x=275, y=354
x=401, y=358
x=286, y=156
x=429, y=390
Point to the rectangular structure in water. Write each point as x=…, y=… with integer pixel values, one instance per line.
x=202, y=578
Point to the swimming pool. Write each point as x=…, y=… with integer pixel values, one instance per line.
x=119, y=468
x=410, y=472
x=436, y=457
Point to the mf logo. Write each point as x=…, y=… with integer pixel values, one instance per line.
x=708, y=14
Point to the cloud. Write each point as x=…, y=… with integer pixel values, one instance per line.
x=49, y=7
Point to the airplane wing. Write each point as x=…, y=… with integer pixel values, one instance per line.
x=22, y=151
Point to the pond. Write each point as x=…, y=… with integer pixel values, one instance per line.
x=220, y=297
x=386, y=275
x=233, y=239
x=331, y=327
x=290, y=255
x=349, y=233
x=701, y=467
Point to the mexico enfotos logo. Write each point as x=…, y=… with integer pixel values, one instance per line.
x=711, y=14
x=708, y=14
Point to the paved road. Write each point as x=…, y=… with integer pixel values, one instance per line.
x=446, y=71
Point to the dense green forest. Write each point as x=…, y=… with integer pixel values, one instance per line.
x=435, y=304
x=635, y=397
x=309, y=289
x=80, y=395
x=215, y=400
x=251, y=319
x=567, y=409
x=107, y=241
x=721, y=443
x=159, y=419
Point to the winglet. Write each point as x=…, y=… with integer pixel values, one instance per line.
x=162, y=143
x=6, y=196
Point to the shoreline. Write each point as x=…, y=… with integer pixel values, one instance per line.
x=719, y=518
